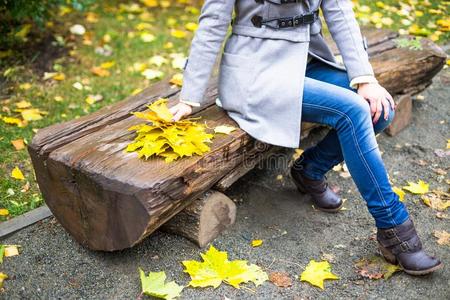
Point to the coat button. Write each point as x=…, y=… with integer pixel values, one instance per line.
x=257, y=21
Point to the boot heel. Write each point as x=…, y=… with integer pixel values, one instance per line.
x=388, y=256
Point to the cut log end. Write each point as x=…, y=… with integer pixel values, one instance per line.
x=203, y=220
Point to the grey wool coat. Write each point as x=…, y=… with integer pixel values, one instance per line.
x=263, y=63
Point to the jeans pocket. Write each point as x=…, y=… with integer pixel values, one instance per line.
x=234, y=80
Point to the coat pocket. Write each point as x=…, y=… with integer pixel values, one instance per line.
x=234, y=79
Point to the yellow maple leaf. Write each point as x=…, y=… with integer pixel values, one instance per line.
x=179, y=34
x=401, y=194
x=166, y=138
x=417, y=188
x=14, y=121
x=11, y=250
x=154, y=285
x=177, y=79
x=216, y=268
x=448, y=144
x=16, y=173
x=191, y=26
x=316, y=272
x=32, y=114
x=257, y=243
x=3, y=276
x=107, y=64
x=4, y=212
x=23, y=104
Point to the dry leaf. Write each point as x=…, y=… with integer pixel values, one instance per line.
x=11, y=250
x=443, y=237
x=225, y=129
x=18, y=144
x=280, y=279
x=4, y=212
x=435, y=201
x=100, y=72
x=177, y=79
x=3, y=277
x=375, y=267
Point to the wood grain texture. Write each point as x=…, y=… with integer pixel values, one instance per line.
x=110, y=200
x=204, y=219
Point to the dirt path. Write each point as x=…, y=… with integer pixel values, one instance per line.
x=53, y=266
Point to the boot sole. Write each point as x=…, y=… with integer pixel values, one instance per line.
x=390, y=258
x=328, y=210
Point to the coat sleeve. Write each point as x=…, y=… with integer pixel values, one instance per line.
x=214, y=20
x=346, y=33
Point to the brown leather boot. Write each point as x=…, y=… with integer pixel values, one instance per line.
x=321, y=194
x=402, y=245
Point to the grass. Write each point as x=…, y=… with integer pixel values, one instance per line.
x=120, y=25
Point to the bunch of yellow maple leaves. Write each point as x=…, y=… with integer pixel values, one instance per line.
x=216, y=268
x=163, y=137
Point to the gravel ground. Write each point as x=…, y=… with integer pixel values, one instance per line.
x=53, y=266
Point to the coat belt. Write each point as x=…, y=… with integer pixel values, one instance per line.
x=285, y=22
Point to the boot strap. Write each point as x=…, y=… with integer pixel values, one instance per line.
x=391, y=237
x=411, y=245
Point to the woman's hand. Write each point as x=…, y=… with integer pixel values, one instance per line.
x=378, y=98
x=180, y=110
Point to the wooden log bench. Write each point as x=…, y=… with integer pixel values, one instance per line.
x=110, y=200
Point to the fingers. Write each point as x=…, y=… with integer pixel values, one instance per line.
x=391, y=100
x=386, y=104
x=178, y=115
x=379, y=109
x=373, y=106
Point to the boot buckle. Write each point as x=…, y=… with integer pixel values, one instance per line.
x=405, y=246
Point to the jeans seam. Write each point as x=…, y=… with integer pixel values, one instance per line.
x=359, y=153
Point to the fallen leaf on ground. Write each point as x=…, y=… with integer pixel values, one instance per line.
x=257, y=243
x=225, y=129
x=280, y=279
x=443, y=237
x=152, y=74
x=401, y=194
x=77, y=29
x=18, y=144
x=154, y=285
x=4, y=212
x=100, y=72
x=216, y=268
x=3, y=277
x=417, y=188
x=11, y=250
x=435, y=201
x=32, y=114
x=316, y=272
x=375, y=267
x=16, y=173
x=177, y=79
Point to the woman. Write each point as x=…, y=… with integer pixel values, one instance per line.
x=276, y=71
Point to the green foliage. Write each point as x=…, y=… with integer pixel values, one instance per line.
x=412, y=44
x=14, y=13
x=36, y=10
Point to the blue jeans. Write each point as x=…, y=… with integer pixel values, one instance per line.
x=329, y=100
